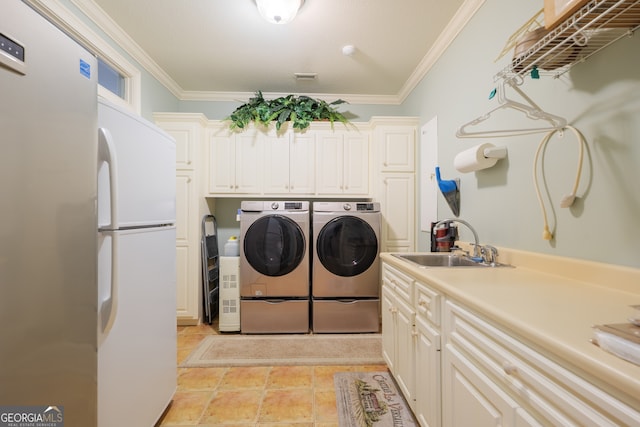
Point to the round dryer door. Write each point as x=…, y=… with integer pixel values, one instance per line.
x=274, y=245
x=347, y=246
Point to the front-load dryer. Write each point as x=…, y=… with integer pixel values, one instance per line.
x=274, y=266
x=345, y=283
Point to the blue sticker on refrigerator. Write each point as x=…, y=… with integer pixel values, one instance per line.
x=85, y=69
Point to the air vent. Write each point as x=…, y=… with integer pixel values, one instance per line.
x=305, y=76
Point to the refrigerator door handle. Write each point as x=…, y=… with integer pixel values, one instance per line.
x=110, y=305
x=107, y=154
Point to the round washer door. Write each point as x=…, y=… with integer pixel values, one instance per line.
x=347, y=246
x=274, y=245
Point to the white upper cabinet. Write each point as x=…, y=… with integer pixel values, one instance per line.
x=289, y=163
x=396, y=145
x=302, y=164
x=321, y=161
x=186, y=129
x=235, y=162
x=343, y=162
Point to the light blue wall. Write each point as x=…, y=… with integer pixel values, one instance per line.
x=601, y=97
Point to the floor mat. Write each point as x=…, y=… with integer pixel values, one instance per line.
x=370, y=399
x=273, y=350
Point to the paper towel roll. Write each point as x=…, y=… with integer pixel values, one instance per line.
x=474, y=159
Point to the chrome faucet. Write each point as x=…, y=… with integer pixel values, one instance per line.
x=489, y=254
x=476, y=244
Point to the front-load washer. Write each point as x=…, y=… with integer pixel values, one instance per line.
x=274, y=267
x=345, y=283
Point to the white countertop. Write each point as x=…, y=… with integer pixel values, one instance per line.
x=552, y=303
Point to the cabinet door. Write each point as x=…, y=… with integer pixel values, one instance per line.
x=329, y=158
x=249, y=162
x=470, y=398
x=276, y=160
x=187, y=253
x=222, y=164
x=184, y=198
x=427, y=374
x=356, y=164
x=405, y=362
x=398, y=211
x=186, y=129
x=396, y=146
x=302, y=170
x=184, y=147
x=343, y=164
x=388, y=309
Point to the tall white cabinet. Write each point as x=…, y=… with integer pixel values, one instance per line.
x=395, y=178
x=188, y=131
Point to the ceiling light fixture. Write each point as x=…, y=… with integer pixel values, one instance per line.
x=279, y=11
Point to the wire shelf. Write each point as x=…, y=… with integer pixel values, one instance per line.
x=593, y=27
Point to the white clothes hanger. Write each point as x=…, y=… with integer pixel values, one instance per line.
x=532, y=111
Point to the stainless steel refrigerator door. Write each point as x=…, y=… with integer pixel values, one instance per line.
x=48, y=222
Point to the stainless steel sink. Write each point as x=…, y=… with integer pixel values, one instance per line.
x=443, y=260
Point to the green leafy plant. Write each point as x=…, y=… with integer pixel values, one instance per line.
x=300, y=110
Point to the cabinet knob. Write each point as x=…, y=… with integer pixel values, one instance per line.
x=422, y=303
x=509, y=368
x=393, y=310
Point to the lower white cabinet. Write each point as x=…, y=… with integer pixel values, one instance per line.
x=411, y=346
x=509, y=383
x=457, y=369
x=427, y=373
x=472, y=399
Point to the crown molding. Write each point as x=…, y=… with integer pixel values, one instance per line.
x=122, y=39
x=75, y=28
x=448, y=35
x=243, y=96
x=111, y=28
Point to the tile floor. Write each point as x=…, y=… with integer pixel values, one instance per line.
x=261, y=396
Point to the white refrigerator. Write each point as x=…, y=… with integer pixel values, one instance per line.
x=136, y=269
x=87, y=299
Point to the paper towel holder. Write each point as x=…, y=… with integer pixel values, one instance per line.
x=495, y=152
x=480, y=157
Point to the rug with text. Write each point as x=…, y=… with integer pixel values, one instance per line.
x=370, y=399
